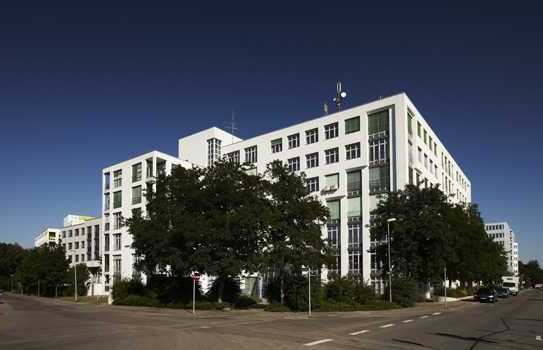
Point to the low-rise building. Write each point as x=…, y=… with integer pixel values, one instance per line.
x=47, y=236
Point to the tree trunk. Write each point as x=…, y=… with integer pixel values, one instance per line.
x=282, y=291
x=220, y=291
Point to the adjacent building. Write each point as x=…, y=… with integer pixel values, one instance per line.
x=123, y=193
x=47, y=236
x=350, y=158
x=502, y=233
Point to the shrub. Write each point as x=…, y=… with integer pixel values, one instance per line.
x=340, y=290
x=173, y=290
x=123, y=288
x=276, y=308
x=453, y=293
x=375, y=305
x=364, y=294
x=231, y=290
x=244, y=302
x=404, y=292
x=137, y=300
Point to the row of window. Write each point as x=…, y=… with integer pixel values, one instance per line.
x=496, y=235
x=421, y=133
x=495, y=227
x=76, y=258
x=81, y=232
x=137, y=195
x=116, y=242
x=116, y=264
x=312, y=135
x=137, y=173
x=74, y=245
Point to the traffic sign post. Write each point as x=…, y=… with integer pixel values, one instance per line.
x=195, y=278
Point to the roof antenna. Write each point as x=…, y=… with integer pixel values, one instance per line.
x=325, y=106
x=232, y=126
x=340, y=95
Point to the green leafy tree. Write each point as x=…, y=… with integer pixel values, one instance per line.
x=531, y=273
x=11, y=257
x=293, y=238
x=234, y=212
x=83, y=276
x=43, y=270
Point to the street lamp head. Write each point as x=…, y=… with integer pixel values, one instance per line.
x=391, y=220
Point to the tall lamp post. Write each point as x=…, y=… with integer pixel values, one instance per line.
x=389, y=261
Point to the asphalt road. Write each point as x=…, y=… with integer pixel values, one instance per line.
x=38, y=323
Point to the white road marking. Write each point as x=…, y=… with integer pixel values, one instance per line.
x=425, y=316
x=205, y=327
x=407, y=321
x=317, y=342
x=387, y=325
x=538, y=337
x=359, y=332
x=436, y=313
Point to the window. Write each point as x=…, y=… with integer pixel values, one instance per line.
x=82, y=257
x=117, y=178
x=352, y=151
x=331, y=155
x=294, y=164
x=82, y=244
x=354, y=183
x=313, y=184
x=117, y=221
x=332, y=182
x=117, y=199
x=69, y=246
x=107, y=181
x=70, y=233
x=430, y=142
x=410, y=123
x=294, y=141
x=378, y=151
x=117, y=241
x=76, y=258
x=379, y=179
x=425, y=137
x=251, y=154
x=63, y=234
x=312, y=160
x=378, y=122
x=149, y=167
x=76, y=232
x=312, y=136
x=419, y=130
x=76, y=245
x=426, y=161
x=410, y=176
x=136, y=195
x=116, y=267
x=277, y=145
x=136, y=212
x=213, y=150
x=233, y=157
x=106, y=262
x=107, y=201
x=136, y=172
x=352, y=125
x=331, y=131
x=420, y=155
x=354, y=262
x=435, y=149
x=106, y=242
x=334, y=239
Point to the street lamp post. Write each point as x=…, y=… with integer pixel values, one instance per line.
x=389, y=261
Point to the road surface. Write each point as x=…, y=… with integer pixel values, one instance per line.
x=39, y=323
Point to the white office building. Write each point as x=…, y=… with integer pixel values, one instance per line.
x=123, y=193
x=47, y=236
x=502, y=233
x=349, y=158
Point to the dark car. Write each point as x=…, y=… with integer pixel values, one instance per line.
x=503, y=292
x=486, y=295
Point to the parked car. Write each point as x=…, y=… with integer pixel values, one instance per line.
x=503, y=292
x=486, y=295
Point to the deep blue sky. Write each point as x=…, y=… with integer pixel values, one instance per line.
x=84, y=87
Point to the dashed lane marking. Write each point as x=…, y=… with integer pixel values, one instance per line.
x=425, y=316
x=436, y=313
x=317, y=342
x=538, y=337
x=387, y=325
x=359, y=332
x=407, y=321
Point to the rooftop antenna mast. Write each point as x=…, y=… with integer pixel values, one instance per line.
x=340, y=96
x=232, y=126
